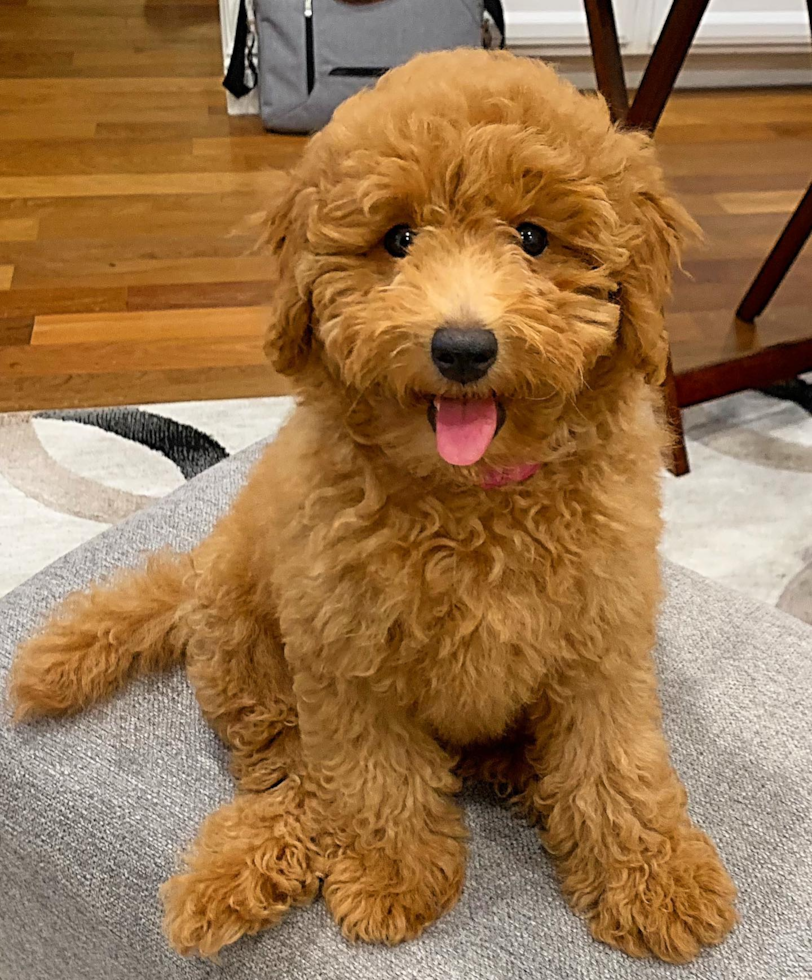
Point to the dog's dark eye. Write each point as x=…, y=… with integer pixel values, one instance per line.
x=398, y=240
x=534, y=238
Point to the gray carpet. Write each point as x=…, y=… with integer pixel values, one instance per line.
x=94, y=810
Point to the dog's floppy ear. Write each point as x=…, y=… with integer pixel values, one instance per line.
x=287, y=339
x=659, y=228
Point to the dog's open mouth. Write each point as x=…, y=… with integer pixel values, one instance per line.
x=465, y=427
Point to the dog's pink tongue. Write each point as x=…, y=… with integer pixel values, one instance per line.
x=465, y=428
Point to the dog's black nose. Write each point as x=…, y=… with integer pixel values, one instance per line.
x=463, y=354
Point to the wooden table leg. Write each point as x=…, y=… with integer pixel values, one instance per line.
x=678, y=463
x=600, y=16
x=778, y=262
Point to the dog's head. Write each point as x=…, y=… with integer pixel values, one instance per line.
x=466, y=249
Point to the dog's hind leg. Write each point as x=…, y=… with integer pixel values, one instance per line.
x=236, y=664
x=237, y=668
x=98, y=639
x=254, y=857
x=503, y=764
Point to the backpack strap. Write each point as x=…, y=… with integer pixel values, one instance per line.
x=494, y=9
x=241, y=62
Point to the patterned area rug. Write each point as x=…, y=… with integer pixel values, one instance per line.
x=743, y=516
x=65, y=476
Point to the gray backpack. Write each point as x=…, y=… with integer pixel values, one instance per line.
x=313, y=54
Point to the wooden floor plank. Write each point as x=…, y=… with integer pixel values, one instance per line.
x=138, y=387
x=60, y=257
x=129, y=8
x=14, y=127
x=230, y=216
x=182, y=295
x=32, y=302
x=732, y=236
x=760, y=202
x=93, y=24
x=22, y=158
x=726, y=294
x=15, y=330
x=123, y=184
x=744, y=182
x=721, y=132
x=102, y=357
x=37, y=120
x=735, y=159
x=151, y=325
x=62, y=218
x=198, y=127
x=18, y=229
x=142, y=272
x=18, y=92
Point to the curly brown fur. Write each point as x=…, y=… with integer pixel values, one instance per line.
x=251, y=862
x=99, y=639
x=369, y=623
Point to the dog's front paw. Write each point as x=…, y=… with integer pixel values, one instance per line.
x=669, y=907
x=205, y=911
x=380, y=899
x=237, y=891
x=199, y=917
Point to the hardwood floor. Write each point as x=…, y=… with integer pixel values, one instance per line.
x=129, y=265
x=741, y=162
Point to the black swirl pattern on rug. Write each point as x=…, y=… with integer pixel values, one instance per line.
x=795, y=390
x=191, y=450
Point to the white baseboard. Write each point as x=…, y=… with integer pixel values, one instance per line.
x=710, y=79
x=703, y=69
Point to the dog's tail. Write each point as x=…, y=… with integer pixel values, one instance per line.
x=97, y=640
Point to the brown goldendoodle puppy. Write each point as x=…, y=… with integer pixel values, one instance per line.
x=446, y=563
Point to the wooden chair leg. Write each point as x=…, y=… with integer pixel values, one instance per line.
x=673, y=45
x=678, y=463
x=650, y=99
x=600, y=16
x=665, y=63
x=784, y=252
x=778, y=262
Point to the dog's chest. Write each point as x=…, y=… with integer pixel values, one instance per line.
x=469, y=688
x=474, y=639
x=460, y=617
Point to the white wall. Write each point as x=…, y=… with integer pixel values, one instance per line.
x=727, y=24
x=561, y=23
x=748, y=23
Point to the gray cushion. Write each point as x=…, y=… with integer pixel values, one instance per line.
x=94, y=810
